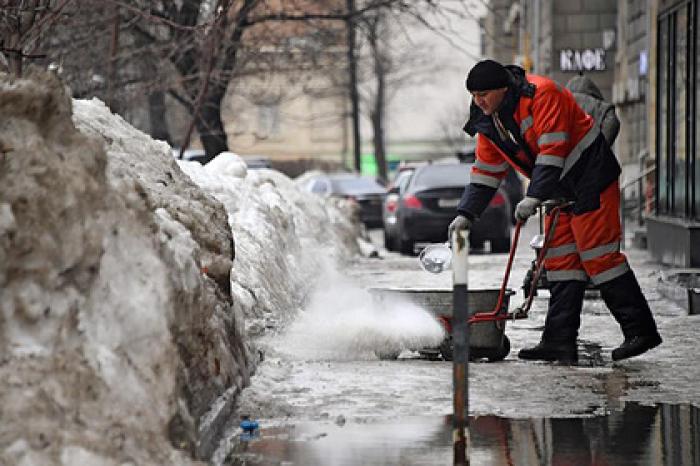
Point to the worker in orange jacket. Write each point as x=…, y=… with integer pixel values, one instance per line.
x=536, y=126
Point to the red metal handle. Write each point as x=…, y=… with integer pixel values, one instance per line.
x=495, y=313
x=486, y=316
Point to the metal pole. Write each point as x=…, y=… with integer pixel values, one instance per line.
x=640, y=201
x=460, y=354
x=622, y=219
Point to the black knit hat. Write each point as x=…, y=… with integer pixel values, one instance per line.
x=487, y=75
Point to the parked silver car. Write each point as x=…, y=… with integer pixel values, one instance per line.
x=364, y=190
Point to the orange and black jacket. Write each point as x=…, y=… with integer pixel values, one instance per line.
x=549, y=140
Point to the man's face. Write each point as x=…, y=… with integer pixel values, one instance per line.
x=489, y=101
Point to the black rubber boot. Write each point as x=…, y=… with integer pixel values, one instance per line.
x=561, y=325
x=564, y=352
x=635, y=346
x=627, y=303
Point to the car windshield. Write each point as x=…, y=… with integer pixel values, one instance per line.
x=442, y=175
x=356, y=185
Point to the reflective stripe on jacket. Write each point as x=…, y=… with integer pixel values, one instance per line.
x=588, y=245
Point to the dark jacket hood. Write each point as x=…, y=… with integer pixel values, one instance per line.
x=584, y=85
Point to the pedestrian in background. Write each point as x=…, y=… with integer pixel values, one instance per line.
x=533, y=124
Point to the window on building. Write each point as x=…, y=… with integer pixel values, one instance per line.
x=695, y=161
x=681, y=84
x=678, y=96
x=268, y=120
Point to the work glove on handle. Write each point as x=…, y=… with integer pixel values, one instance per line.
x=526, y=208
x=458, y=224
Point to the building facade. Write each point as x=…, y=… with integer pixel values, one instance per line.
x=288, y=116
x=305, y=113
x=557, y=39
x=674, y=115
x=630, y=88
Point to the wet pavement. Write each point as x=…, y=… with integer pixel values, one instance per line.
x=352, y=408
x=634, y=435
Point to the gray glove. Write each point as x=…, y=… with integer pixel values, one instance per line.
x=526, y=208
x=458, y=224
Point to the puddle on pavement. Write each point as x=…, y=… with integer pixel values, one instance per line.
x=636, y=435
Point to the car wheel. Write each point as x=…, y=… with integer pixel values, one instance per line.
x=446, y=349
x=500, y=245
x=389, y=242
x=491, y=354
x=500, y=353
x=406, y=246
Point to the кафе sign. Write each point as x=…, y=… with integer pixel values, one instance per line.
x=582, y=60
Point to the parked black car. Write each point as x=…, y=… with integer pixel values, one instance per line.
x=364, y=190
x=428, y=205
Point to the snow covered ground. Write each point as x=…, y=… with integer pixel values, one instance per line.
x=355, y=387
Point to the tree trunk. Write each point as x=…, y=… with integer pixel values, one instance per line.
x=379, y=110
x=15, y=62
x=112, y=61
x=379, y=146
x=157, y=119
x=210, y=94
x=354, y=95
x=210, y=125
x=13, y=55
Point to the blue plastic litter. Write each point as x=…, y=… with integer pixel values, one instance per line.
x=249, y=426
x=250, y=429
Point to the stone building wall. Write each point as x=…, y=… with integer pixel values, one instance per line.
x=631, y=82
x=500, y=32
x=542, y=29
x=584, y=28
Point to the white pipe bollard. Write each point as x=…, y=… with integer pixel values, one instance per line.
x=460, y=352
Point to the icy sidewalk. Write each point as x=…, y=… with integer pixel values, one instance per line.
x=293, y=389
x=330, y=393
x=523, y=389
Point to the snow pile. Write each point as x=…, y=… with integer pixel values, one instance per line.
x=196, y=244
x=123, y=315
x=94, y=281
x=289, y=247
x=121, y=323
x=285, y=238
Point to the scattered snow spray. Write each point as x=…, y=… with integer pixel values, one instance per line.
x=343, y=321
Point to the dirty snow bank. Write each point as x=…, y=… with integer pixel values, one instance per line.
x=121, y=324
x=285, y=238
x=105, y=316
